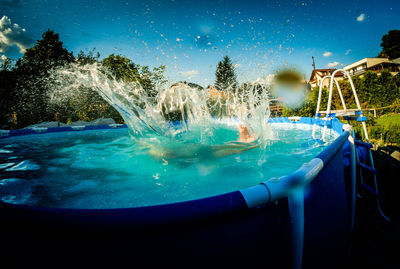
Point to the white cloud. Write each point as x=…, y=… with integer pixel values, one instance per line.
x=13, y=35
x=327, y=53
x=189, y=74
x=347, y=52
x=361, y=17
x=3, y=59
x=332, y=64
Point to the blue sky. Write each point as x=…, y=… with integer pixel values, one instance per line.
x=190, y=37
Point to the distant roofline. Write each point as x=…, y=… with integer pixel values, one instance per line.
x=325, y=69
x=396, y=60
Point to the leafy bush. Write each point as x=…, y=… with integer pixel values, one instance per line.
x=385, y=128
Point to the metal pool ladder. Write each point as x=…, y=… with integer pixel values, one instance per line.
x=349, y=114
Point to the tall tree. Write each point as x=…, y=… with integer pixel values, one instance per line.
x=389, y=91
x=46, y=54
x=32, y=70
x=225, y=76
x=6, y=64
x=88, y=58
x=125, y=69
x=370, y=88
x=121, y=67
x=86, y=104
x=391, y=45
x=8, y=94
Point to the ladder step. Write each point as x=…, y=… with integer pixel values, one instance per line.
x=362, y=118
x=371, y=190
x=363, y=144
x=343, y=112
x=372, y=170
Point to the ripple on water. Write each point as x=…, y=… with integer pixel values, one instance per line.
x=5, y=165
x=24, y=166
x=15, y=190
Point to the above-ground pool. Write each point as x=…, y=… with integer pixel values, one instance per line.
x=72, y=185
x=107, y=169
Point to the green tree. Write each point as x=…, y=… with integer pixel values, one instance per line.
x=389, y=91
x=89, y=58
x=8, y=95
x=46, y=54
x=6, y=64
x=87, y=105
x=121, y=67
x=369, y=88
x=391, y=45
x=125, y=69
x=397, y=80
x=225, y=76
x=32, y=71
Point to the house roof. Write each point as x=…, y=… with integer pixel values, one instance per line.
x=215, y=93
x=385, y=64
x=397, y=60
x=328, y=70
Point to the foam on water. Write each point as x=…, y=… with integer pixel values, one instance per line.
x=16, y=191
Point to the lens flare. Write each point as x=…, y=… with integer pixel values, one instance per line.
x=289, y=87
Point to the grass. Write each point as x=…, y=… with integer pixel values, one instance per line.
x=384, y=130
x=388, y=119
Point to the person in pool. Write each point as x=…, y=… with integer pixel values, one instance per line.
x=244, y=135
x=200, y=151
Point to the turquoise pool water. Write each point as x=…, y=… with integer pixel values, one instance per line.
x=107, y=169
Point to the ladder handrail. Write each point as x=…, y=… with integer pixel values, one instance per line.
x=357, y=101
x=320, y=98
x=328, y=108
x=351, y=84
x=340, y=94
x=328, y=116
x=320, y=93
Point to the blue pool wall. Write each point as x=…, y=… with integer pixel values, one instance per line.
x=220, y=230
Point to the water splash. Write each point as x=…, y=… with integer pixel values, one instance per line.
x=178, y=113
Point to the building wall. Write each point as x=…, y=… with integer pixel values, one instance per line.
x=361, y=66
